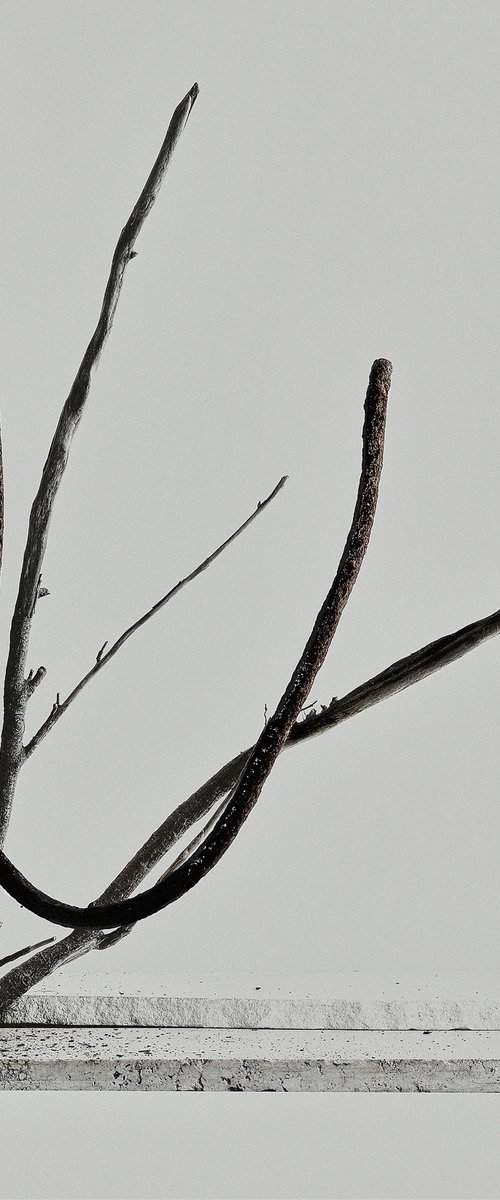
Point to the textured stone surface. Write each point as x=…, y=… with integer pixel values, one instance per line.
x=248, y=1060
x=331, y=1000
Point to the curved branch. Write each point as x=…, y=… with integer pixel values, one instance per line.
x=401, y=674
x=21, y=978
x=15, y=693
x=275, y=733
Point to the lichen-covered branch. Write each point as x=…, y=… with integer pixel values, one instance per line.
x=274, y=734
x=16, y=691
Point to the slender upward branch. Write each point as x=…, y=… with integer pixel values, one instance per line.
x=16, y=694
x=276, y=731
x=103, y=658
x=2, y=504
x=401, y=674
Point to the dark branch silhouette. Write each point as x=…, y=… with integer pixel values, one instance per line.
x=275, y=732
x=239, y=782
x=17, y=689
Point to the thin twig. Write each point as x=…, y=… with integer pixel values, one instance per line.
x=15, y=693
x=25, y=950
x=276, y=731
x=399, y=675
x=102, y=658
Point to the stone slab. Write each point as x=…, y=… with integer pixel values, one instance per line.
x=222, y=1060
x=326, y=1000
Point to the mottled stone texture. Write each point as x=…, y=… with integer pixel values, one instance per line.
x=327, y=1000
x=327, y=1032
x=248, y=1060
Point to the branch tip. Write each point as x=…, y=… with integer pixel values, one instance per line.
x=15, y=690
x=34, y=678
x=381, y=370
x=101, y=652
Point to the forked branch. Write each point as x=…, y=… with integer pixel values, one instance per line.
x=401, y=674
x=275, y=733
x=240, y=781
x=16, y=694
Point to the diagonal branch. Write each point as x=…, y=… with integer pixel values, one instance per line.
x=102, y=658
x=19, y=979
x=399, y=675
x=274, y=734
x=395, y=678
x=25, y=950
x=16, y=693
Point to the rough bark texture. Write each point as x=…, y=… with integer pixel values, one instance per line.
x=401, y=674
x=17, y=689
x=251, y=766
x=275, y=733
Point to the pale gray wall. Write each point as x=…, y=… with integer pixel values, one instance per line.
x=334, y=199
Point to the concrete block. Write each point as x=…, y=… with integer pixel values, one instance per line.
x=327, y=1000
x=222, y=1060
x=326, y=1032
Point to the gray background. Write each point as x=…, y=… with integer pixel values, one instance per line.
x=334, y=199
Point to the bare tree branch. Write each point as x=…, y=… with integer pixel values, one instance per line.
x=2, y=504
x=23, y=977
x=16, y=694
x=20, y=979
x=241, y=780
x=198, y=840
x=102, y=658
x=401, y=674
x=395, y=678
x=276, y=730
x=25, y=950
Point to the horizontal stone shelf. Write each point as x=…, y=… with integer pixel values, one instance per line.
x=221, y=1060
x=326, y=1000
x=325, y=1032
